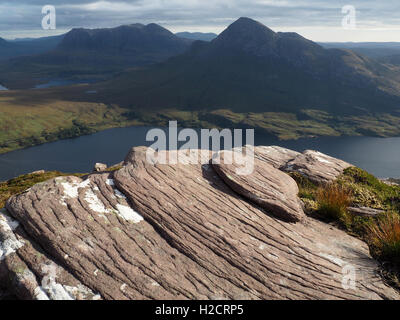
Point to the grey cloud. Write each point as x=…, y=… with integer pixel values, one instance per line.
x=26, y=15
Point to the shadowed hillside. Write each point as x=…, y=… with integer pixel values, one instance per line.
x=95, y=54
x=15, y=48
x=248, y=67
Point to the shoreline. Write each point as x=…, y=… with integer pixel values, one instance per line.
x=68, y=156
x=163, y=125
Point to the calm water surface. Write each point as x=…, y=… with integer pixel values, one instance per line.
x=378, y=156
x=60, y=82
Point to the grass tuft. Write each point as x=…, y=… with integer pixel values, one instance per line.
x=384, y=238
x=369, y=191
x=333, y=200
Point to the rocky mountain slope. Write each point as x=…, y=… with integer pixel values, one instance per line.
x=182, y=231
x=250, y=68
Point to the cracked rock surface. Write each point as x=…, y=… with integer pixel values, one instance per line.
x=190, y=230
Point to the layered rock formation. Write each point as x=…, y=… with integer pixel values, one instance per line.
x=191, y=230
x=270, y=188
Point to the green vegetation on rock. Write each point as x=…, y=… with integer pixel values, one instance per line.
x=356, y=187
x=24, y=182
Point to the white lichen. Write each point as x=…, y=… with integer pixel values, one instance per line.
x=124, y=211
x=320, y=159
x=119, y=194
x=71, y=189
x=39, y=294
x=9, y=243
x=128, y=214
x=333, y=259
x=94, y=202
x=110, y=182
x=57, y=291
x=81, y=292
x=123, y=287
x=6, y=222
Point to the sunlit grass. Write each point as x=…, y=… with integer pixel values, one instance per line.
x=384, y=237
x=333, y=200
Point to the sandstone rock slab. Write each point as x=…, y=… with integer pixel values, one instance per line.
x=270, y=188
x=276, y=156
x=316, y=166
x=178, y=231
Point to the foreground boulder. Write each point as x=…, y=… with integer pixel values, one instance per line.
x=178, y=231
x=316, y=166
x=266, y=186
x=99, y=167
x=276, y=156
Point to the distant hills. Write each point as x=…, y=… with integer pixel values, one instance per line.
x=197, y=36
x=392, y=59
x=25, y=47
x=250, y=68
x=386, y=52
x=95, y=53
x=99, y=54
x=141, y=43
x=248, y=76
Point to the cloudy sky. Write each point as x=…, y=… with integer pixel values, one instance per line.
x=319, y=20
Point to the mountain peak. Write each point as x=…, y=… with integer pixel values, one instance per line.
x=249, y=29
x=252, y=37
x=157, y=29
x=248, y=35
x=243, y=21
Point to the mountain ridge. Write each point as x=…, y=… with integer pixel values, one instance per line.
x=249, y=67
x=94, y=54
x=124, y=39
